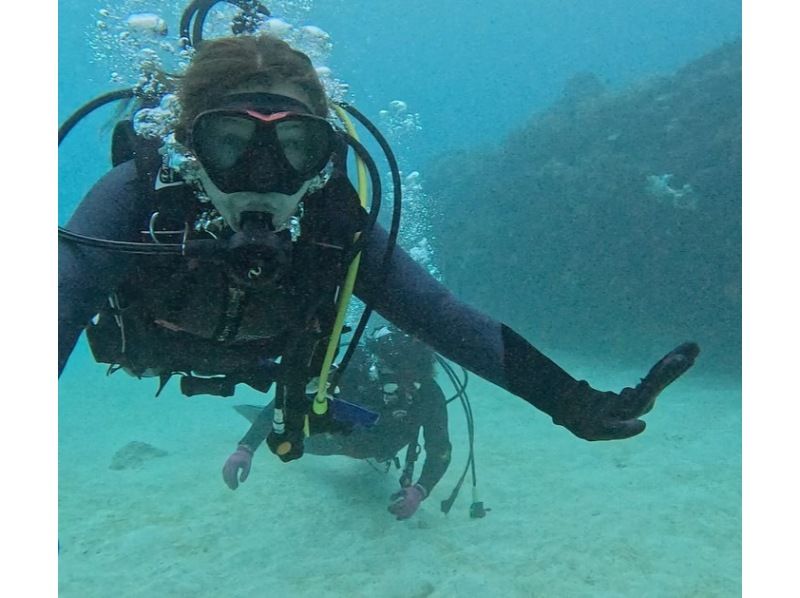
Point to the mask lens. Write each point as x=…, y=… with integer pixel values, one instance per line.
x=305, y=143
x=221, y=140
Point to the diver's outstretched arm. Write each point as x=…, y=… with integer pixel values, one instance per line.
x=416, y=302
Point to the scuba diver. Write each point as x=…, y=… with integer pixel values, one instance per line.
x=394, y=379
x=213, y=267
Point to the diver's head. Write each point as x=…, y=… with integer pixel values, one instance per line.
x=253, y=112
x=400, y=357
x=246, y=63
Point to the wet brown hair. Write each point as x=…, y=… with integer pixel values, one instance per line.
x=223, y=64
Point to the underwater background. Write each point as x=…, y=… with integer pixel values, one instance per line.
x=571, y=168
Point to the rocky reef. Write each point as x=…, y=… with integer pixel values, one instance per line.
x=610, y=222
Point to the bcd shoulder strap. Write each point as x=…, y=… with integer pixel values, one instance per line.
x=127, y=145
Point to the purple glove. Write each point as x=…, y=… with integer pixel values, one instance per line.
x=239, y=460
x=406, y=501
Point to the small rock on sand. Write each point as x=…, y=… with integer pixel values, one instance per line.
x=135, y=454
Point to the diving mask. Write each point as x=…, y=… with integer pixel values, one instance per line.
x=260, y=152
x=271, y=146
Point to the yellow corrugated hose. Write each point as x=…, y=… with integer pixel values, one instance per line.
x=320, y=405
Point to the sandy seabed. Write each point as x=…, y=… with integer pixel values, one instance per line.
x=657, y=515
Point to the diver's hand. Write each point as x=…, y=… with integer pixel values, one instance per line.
x=239, y=460
x=594, y=415
x=407, y=501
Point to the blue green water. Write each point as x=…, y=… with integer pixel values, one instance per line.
x=658, y=515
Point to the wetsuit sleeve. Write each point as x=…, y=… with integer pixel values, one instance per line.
x=416, y=302
x=114, y=209
x=260, y=428
x=408, y=296
x=435, y=435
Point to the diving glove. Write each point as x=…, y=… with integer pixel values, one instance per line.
x=406, y=501
x=595, y=415
x=237, y=467
x=588, y=413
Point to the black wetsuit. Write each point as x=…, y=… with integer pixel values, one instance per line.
x=118, y=208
